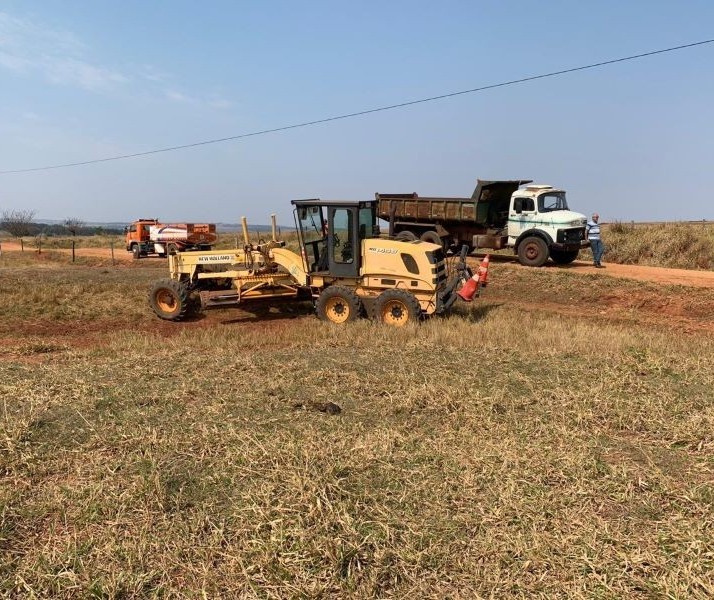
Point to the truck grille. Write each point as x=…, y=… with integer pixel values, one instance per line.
x=576, y=234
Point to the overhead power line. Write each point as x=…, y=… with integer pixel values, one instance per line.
x=363, y=112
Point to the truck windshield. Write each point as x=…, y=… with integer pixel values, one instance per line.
x=552, y=201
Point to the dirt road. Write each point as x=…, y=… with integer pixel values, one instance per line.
x=636, y=272
x=120, y=254
x=640, y=273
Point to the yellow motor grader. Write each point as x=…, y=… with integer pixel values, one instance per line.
x=344, y=267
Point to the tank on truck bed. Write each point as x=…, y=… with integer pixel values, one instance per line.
x=534, y=220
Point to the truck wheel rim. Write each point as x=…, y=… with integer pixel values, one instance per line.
x=337, y=310
x=166, y=301
x=395, y=312
x=532, y=251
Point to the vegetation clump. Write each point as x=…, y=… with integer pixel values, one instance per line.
x=676, y=245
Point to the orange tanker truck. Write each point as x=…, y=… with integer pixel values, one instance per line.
x=149, y=236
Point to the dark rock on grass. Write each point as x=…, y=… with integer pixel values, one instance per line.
x=327, y=407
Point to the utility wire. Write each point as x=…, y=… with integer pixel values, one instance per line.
x=362, y=112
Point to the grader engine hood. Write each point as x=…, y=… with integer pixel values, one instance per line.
x=420, y=260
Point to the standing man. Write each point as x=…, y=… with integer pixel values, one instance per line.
x=593, y=231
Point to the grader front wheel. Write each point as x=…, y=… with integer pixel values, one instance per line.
x=338, y=304
x=171, y=300
x=397, y=308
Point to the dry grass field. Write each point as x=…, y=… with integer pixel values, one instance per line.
x=554, y=439
x=678, y=245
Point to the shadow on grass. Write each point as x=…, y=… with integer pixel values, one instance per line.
x=279, y=311
x=472, y=313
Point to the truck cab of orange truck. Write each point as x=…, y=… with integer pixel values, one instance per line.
x=138, y=233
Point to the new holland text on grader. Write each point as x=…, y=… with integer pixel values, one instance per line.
x=344, y=267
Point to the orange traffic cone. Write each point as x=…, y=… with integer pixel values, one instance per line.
x=483, y=270
x=468, y=292
x=472, y=285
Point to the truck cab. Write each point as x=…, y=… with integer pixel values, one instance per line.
x=539, y=216
x=138, y=233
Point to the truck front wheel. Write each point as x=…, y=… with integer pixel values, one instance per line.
x=563, y=257
x=533, y=252
x=136, y=251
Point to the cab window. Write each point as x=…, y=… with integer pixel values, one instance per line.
x=523, y=205
x=366, y=223
x=311, y=223
x=342, y=235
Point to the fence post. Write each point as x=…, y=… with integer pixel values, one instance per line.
x=111, y=245
x=39, y=245
x=72, y=250
x=22, y=244
x=0, y=248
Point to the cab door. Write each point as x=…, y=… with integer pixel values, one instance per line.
x=522, y=216
x=342, y=241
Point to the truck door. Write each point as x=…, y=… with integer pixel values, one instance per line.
x=342, y=241
x=522, y=216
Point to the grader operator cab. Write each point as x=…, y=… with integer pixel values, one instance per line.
x=344, y=267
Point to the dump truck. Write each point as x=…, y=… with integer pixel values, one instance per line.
x=533, y=220
x=149, y=236
x=343, y=266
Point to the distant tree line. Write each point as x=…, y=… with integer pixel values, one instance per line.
x=21, y=223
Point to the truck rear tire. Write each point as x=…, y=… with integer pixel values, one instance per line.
x=432, y=237
x=396, y=308
x=406, y=236
x=563, y=257
x=338, y=304
x=172, y=249
x=170, y=300
x=533, y=252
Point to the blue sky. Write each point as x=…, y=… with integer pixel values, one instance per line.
x=88, y=79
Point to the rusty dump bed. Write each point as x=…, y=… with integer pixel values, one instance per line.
x=487, y=206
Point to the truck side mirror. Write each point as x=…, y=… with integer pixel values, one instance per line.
x=518, y=205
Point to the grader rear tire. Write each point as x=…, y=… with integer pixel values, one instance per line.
x=171, y=300
x=396, y=308
x=338, y=304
